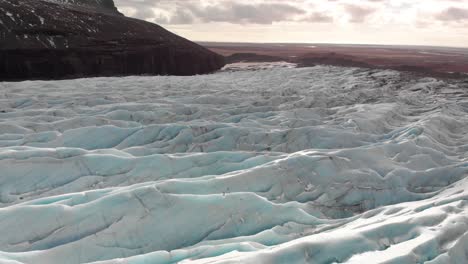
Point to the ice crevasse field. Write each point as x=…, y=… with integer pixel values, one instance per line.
x=274, y=165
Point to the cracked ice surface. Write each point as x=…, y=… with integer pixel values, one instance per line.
x=279, y=165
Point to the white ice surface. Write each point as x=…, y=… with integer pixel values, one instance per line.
x=279, y=165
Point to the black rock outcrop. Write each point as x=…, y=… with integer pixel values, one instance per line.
x=251, y=57
x=79, y=38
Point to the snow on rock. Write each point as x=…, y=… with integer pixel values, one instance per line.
x=277, y=165
x=84, y=38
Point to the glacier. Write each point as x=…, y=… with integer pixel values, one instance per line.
x=258, y=165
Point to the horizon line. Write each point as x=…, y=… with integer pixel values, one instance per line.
x=335, y=44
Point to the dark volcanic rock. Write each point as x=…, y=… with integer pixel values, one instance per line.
x=251, y=57
x=101, y=5
x=53, y=40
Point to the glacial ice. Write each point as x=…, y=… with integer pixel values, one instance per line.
x=268, y=165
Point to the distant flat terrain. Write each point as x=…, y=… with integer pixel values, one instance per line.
x=443, y=61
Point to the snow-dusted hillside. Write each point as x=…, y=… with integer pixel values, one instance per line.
x=280, y=165
x=103, y=5
x=57, y=39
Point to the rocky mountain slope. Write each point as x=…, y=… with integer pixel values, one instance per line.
x=102, y=5
x=76, y=38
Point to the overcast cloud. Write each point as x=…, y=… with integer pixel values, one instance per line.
x=428, y=22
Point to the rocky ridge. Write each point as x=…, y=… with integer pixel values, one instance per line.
x=81, y=38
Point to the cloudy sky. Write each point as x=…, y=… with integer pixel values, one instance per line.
x=420, y=22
